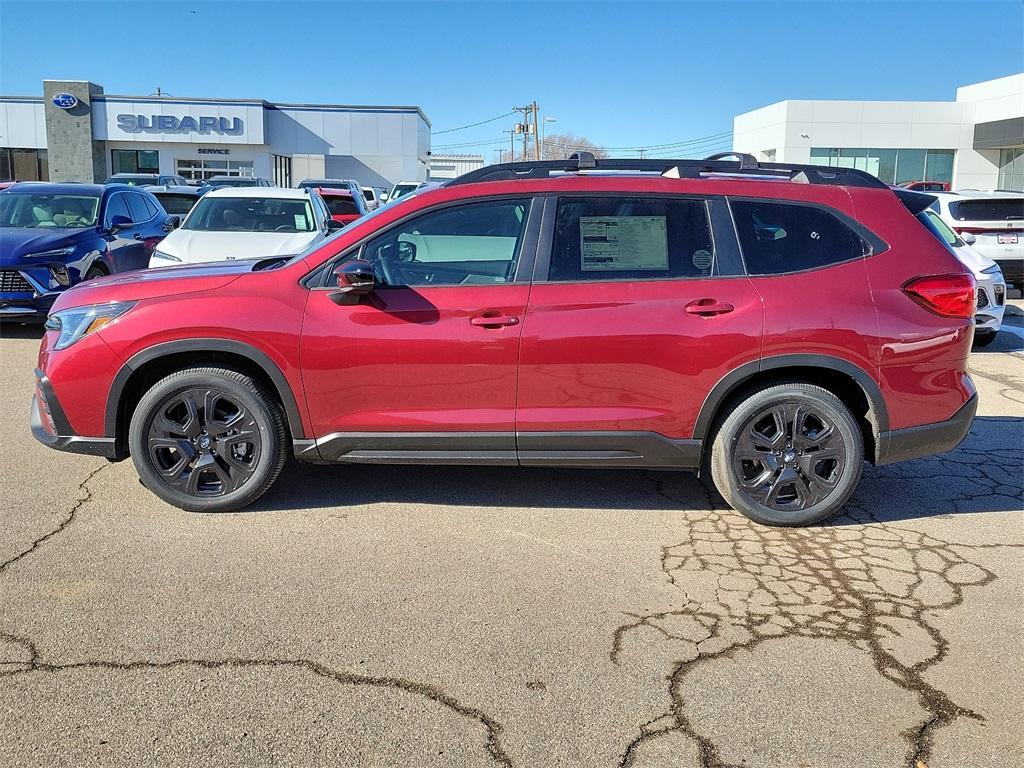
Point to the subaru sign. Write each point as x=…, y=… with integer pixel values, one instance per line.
x=65, y=100
x=228, y=126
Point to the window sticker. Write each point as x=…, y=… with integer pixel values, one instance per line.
x=300, y=221
x=623, y=243
x=703, y=260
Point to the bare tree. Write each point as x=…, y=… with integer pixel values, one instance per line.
x=558, y=146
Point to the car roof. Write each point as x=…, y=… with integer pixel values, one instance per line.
x=979, y=194
x=62, y=187
x=334, y=192
x=281, y=193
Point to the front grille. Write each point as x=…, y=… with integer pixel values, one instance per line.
x=13, y=282
x=982, y=299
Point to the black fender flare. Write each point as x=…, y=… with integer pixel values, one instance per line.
x=732, y=381
x=256, y=356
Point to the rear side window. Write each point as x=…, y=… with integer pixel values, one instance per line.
x=631, y=238
x=137, y=203
x=987, y=210
x=782, y=237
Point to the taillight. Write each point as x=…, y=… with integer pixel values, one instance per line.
x=944, y=295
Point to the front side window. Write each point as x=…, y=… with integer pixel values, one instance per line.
x=631, y=238
x=784, y=237
x=47, y=210
x=472, y=244
x=250, y=214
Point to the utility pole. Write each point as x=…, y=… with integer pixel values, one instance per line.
x=528, y=125
x=536, y=135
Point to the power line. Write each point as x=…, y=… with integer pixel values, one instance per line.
x=473, y=125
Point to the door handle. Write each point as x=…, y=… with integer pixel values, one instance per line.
x=139, y=236
x=708, y=307
x=493, y=320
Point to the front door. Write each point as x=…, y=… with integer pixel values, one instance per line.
x=424, y=368
x=639, y=313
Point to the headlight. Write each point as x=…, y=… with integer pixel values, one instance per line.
x=993, y=270
x=75, y=323
x=56, y=253
x=161, y=255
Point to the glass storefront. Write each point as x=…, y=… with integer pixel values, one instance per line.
x=135, y=160
x=200, y=170
x=1011, y=169
x=893, y=166
x=23, y=164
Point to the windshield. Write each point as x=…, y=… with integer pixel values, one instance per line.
x=250, y=214
x=239, y=182
x=341, y=205
x=48, y=210
x=948, y=235
x=402, y=190
x=135, y=181
x=176, y=204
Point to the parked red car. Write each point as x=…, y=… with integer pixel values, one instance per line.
x=773, y=325
x=926, y=186
x=343, y=205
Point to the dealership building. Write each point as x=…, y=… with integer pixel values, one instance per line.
x=974, y=142
x=76, y=132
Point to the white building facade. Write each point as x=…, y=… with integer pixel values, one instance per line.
x=93, y=135
x=974, y=142
x=450, y=166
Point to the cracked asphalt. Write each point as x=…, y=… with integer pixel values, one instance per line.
x=417, y=616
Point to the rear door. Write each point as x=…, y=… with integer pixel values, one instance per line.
x=424, y=367
x=638, y=309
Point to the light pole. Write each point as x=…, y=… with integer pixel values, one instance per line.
x=543, y=123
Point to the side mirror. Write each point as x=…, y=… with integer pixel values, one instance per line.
x=355, y=278
x=171, y=223
x=117, y=223
x=383, y=197
x=406, y=251
x=334, y=226
x=968, y=238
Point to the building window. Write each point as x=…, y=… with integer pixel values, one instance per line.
x=23, y=164
x=1011, y=169
x=893, y=166
x=135, y=160
x=282, y=170
x=201, y=170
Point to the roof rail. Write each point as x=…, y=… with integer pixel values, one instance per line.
x=715, y=165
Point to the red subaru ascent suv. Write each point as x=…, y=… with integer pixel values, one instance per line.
x=772, y=325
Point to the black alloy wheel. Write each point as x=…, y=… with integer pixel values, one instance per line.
x=208, y=439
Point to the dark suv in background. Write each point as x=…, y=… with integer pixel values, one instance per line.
x=772, y=325
x=53, y=236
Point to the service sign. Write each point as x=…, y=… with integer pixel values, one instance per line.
x=65, y=100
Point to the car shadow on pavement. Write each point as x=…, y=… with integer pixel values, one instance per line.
x=983, y=475
x=9, y=330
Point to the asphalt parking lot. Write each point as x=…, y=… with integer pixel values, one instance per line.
x=397, y=616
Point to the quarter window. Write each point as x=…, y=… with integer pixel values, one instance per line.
x=781, y=237
x=631, y=238
x=472, y=244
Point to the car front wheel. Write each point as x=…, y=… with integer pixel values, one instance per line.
x=208, y=440
x=789, y=454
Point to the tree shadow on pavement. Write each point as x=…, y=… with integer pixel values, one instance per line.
x=983, y=475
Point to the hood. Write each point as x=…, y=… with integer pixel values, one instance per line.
x=153, y=283
x=972, y=259
x=15, y=242
x=193, y=246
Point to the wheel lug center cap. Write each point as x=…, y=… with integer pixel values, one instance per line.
x=204, y=442
x=789, y=456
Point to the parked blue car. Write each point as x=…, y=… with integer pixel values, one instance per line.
x=53, y=236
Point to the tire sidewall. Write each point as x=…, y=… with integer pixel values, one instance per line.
x=723, y=473
x=146, y=411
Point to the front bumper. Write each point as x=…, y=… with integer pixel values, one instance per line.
x=50, y=426
x=991, y=303
x=928, y=439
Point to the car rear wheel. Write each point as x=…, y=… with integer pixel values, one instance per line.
x=789, y=454
x=208, y=440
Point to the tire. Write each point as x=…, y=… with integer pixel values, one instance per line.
x=763, y=472
x=201, y=462
x=984, y=339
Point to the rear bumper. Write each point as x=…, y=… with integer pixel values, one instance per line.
x=928, y=439
x=51, y=428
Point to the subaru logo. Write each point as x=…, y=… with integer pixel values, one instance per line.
x=65, y=100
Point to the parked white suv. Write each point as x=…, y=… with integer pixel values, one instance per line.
x=246, y=223
x=991, y=285
x=990, y=222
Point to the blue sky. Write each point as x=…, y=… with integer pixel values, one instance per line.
x=622, y=74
